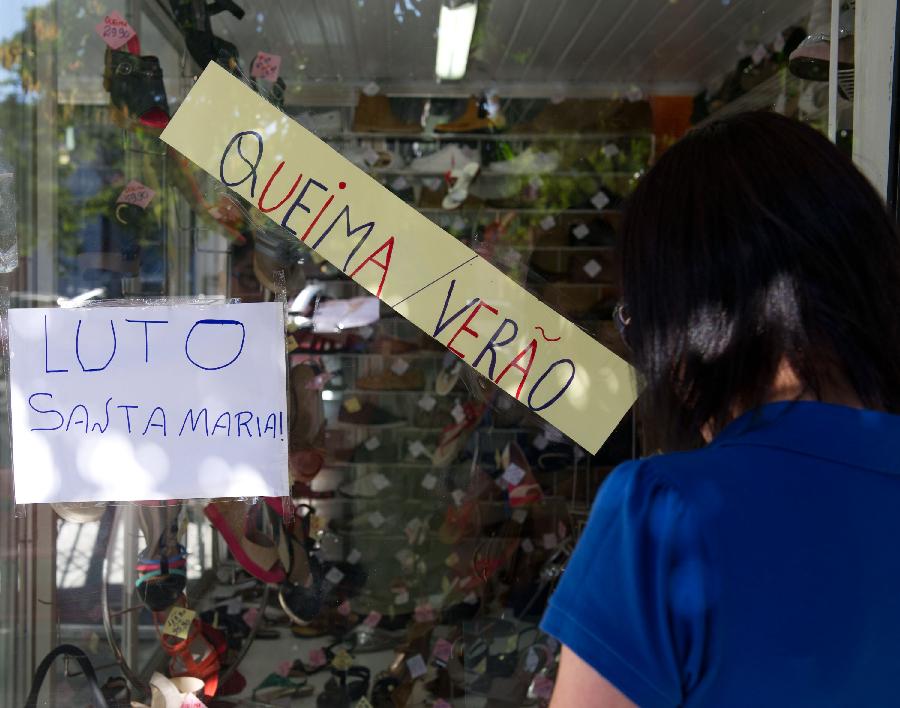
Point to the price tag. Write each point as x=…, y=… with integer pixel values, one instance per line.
x=452, y=559
x=531, y=661
x=543, y=687
x=471, y=599
x=458, y=223
x=334, y=576
x=372, y=619
x=352, y=405
x=540, y=441
x=759, y=54
x=399, y=184
x=353, y=557
x=376, y=519
x=401, y=598
x=115, y=30
x=580, y=231
x=514, y=474
x=481, y=667
x=342, y=660
x=317, y=524
x=433, y=184
x=778, y=43
x=527, y=545
x=442, y=650
x=250, y=616
x=429, y=481
x=344, y=608
x=416, y=666
x=561, y=530
x=459, y=415
x=412, y=529
x=548, y=222
x=373, y=443
x=416, y=448
x=380, y=482
x=441, y=703
x=266, y=66
x=178, y=623
x=136, y=193
x=427, y=403
x=316, y=658
x=610, y=150
x=291, y=344
x=284, y=668
x=233, y=606
x=592, y=268
x=519, y=516
x=550, y=540
x=600, y=200
x=458, y=496
x=400, y=367
x=363, y=703
x=553, y=435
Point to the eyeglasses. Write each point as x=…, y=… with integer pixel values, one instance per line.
x=622, y=320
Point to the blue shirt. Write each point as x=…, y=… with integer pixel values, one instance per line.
x=761, y=570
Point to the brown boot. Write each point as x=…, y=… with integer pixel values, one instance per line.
x=374, y=115
x=469, y=122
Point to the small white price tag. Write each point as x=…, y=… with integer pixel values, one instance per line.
x=531, y=661
x=759, y=54
x=471, y=599
x=379, y=481
x=580, y=231
x=527, y=545
x=458, y=496
x=550, y=541
x=334, y=576
x=592, y=268
x=373, y=443
x=416, y=448
x=458, y=223
x=427, y=403
x=519, y=516
x=553, y=434
x=399, y=184
x=548, y=222
x=540, y=441
x=400, y=367
x=234, y=606
x=353, y=557
x=429, y=481
x=432, y=183
x=401, y=598
x=459, y=415
x=370, y=156
x=416, y=666
x=600, y=200
x=376, y=519
x=778, y=44
x=513, y=474
x=610, y=150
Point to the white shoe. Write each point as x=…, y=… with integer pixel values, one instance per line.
x=460, y=186
x=445, y=160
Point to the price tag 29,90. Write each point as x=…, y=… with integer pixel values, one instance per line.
x=136, y=193
x=178, y=623
x=266, y=66
x=115, y=30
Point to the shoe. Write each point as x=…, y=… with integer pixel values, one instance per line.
x=193, y=19
x=480, y=116
x=368, y=414
x=811, y=59
x=444, y=160
x=454, y=437
x=460, y=179
x=410, y=380
x=448, y=376
x=136, y=90
x=374, y=115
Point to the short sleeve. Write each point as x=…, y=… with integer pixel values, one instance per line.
x=632, y=601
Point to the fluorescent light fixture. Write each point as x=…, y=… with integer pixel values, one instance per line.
x=455, y=30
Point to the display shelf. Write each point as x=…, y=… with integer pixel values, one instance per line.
x=517, y=210
x=487, y=137
x=488, y=174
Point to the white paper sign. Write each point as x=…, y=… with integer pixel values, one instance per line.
x=131, y=403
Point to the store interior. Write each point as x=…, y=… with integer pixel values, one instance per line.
x=430, y=512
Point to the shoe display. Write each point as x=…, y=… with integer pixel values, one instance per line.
x=374, y=115
x=480, y=115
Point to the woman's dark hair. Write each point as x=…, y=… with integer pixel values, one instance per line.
x=754, y=240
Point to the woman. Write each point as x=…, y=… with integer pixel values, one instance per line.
x=757, y=563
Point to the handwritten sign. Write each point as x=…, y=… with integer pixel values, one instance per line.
x=115, y=30
x=129, y=403
x=266, y=66
x=178, y=623
x=433, y=280
x=136, y=193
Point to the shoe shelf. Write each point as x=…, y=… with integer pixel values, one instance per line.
x=487, y=137
x=489, y=174
x=543, y=211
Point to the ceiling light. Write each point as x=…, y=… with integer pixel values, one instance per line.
x=455, y=30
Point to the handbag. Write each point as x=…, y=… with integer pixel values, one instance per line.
x=97, y=698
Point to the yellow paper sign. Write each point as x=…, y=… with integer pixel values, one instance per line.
x=436, y=282
x=178, y=623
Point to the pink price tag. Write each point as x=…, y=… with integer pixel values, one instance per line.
x=250, y=616
x=266, y=66
x=115, y=30
x=191, y=701
x=344, y=608
x=441, y=703
x=316, y=658
x=136, y=193
x=543, y=687
x=442, y=649
x=372, y=619
x=284, y=668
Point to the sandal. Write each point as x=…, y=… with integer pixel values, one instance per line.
x=136, y=90
x=341, y=693
x=196, y=656
x=251, y=532
x=161, y=581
